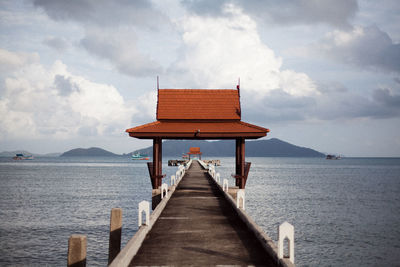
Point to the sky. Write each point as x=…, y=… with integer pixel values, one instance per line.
x=323, y=74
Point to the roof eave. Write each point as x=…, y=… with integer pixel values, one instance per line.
x=177, y=135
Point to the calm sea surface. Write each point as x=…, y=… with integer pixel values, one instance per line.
x=345, y=212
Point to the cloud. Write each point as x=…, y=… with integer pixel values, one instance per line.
x=216, y=51
x=57, y=43
x=10, y=61
x=110, y=30
x=104, y=13
x=335, y=102
x=333, y=12
x=365, y=47
x=387, y=97
x=41, y=102
x=119, y=47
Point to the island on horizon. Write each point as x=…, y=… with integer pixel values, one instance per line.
x=273, y=147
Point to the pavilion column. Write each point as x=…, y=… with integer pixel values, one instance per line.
x=237, y=157
x=242, y=162
x=157, y=162
x=160, y=162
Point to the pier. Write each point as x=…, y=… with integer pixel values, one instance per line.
x=200, y=224
x=199, y=227
x=199, y=220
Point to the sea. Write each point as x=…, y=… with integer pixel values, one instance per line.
x=345, y=212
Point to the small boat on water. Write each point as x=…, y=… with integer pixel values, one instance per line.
x=332, y=157
x=139, y=156
x=22, y=157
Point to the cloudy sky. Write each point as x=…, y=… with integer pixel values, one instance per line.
x=319, y=73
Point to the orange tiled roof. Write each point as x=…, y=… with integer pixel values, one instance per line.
x=194, y=150
x=198, y=104
x=198, y=114
x=201, y=130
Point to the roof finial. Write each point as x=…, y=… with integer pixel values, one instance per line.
x=158, y=83
x=238, y=86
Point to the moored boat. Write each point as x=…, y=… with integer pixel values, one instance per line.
x=22, y=157
x=139, y=156
x=332, y=157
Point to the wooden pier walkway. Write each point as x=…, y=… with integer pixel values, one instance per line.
x=199, y=227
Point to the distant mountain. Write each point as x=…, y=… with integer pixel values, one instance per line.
x=226, y=148
x=50, y=155
x=88, y=152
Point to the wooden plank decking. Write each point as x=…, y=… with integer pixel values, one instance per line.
x=199, y=227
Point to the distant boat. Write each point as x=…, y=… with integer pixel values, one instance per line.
x=139, y=156
x=22, y=157
x=332, y=157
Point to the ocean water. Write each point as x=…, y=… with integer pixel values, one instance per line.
x=345, y=212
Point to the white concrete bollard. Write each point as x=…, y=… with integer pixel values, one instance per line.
x=286, y=230
x=181, y=170
x=173, y=180
x=240, y=195
x=144, y=206
x=218, y=177
x=164, y=186
x=177, y=176
x=225, y=183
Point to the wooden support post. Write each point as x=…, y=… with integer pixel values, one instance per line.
x=156, y=166
x=77, y=251
x=237, y=162
x=242, y=162
x=115, y=234
x=159, y=161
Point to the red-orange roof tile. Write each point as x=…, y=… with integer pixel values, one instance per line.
x=198, y=104
x=194, y=150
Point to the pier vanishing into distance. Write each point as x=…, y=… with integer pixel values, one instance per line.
x=199, y=224
x=199, y=219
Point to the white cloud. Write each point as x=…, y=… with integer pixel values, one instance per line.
x=51, y=102
x=147, y=104
x=10, y=61
x=219, y=50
